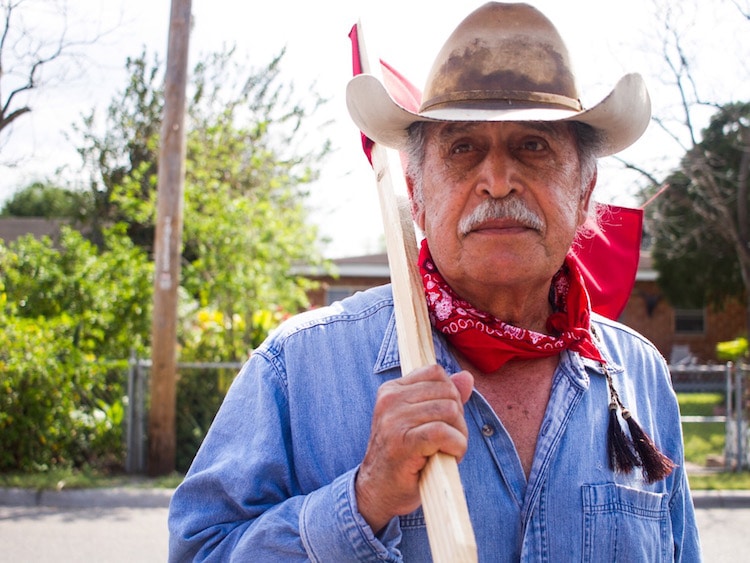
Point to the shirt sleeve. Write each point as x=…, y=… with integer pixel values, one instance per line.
x=242, y=497
x=684, y=527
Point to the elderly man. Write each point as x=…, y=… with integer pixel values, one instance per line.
x=317, y=450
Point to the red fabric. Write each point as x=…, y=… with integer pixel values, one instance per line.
x=608, y=260
x=405, y=93
x=488, y=342
x=357, y=69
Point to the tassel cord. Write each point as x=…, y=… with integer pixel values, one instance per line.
x=638, y=450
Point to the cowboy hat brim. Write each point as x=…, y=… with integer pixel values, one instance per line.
x=621, y=117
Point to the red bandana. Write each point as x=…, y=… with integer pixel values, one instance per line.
x=488, y=342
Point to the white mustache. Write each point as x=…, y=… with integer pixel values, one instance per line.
x=513, y=209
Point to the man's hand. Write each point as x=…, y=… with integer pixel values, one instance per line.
x=415, y=416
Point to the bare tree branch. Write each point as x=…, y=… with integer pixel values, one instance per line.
x=30, y=84
x=745, y=12
x=642, y=171
x=680, y=71
x=6, y=120
x=25, y=52
x=668, y=130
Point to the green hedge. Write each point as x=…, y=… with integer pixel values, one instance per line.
x=57, y=407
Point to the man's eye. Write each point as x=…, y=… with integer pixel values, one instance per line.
x=460, y=148
x=534, y=145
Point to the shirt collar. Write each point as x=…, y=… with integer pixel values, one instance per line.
x=388, y=357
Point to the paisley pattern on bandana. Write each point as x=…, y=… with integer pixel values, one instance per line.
x=488, y=342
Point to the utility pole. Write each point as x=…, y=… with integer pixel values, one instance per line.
x=168, y=244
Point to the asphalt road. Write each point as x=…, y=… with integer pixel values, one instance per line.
x=124, y=525
x=107, y=526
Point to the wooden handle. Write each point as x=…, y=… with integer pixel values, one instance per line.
x=446, y=514
x=449, y=528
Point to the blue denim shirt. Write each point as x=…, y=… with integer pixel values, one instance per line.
x=274, y=478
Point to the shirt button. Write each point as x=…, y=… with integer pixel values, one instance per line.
x=487, y=430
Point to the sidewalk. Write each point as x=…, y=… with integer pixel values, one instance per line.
x=721, y=499
x=115, y=497
x=114, y=525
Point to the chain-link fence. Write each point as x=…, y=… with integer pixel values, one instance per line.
x=201, y=387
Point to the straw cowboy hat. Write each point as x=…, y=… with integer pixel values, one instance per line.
x=504, y=62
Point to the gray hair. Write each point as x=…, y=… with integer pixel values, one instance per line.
x=588, y=142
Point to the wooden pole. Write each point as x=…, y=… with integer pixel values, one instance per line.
x=449, y=529
x=168, y=246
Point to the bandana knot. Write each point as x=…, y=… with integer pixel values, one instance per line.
x=488, y=342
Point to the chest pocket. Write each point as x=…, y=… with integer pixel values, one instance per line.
x=624, y=524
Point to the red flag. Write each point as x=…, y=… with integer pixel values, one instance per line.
x=399, y=87
x=608, y=259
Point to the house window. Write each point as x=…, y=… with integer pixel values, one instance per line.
x=689, y=321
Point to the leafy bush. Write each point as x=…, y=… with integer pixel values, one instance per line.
x=57, y=409
x=61, y=307
x=732, y=350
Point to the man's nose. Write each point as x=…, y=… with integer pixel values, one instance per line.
x=497, y=175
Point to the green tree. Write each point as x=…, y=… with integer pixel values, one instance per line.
x=122, y=160
x=64, y=306
x=700, y=224
x=247, y=163
x=105, y=294
x=47, y=200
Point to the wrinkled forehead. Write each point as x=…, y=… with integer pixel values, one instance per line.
x=558, y=130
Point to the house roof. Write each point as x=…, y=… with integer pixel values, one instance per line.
x=12, y=228
x=365, y=266
x=376, y=265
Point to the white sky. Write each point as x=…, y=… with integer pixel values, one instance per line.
x=606, y=38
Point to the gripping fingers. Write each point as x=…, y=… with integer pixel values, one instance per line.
x=437, y=436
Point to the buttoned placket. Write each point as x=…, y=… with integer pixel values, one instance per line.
x=569, y=384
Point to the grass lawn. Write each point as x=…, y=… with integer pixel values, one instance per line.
x=84, y=479
x=724, y=481
x=705, y=439
x=702, y=439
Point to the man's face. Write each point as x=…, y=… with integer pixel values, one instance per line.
x=533, y=173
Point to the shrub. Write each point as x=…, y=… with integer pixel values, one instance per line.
x=57, y=408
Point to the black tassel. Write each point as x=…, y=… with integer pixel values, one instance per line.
x=656, y=466
x=622, y=458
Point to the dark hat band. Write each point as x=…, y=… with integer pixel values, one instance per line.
x=499, y=99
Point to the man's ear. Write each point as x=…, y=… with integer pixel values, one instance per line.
x=417, y=206
x=583, y=211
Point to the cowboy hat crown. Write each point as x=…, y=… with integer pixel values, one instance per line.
x=504, y=62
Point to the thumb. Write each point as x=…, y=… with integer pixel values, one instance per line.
x=464, y=382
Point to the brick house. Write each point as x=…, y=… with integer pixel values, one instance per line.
x=352, y=274
x=681, y=335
